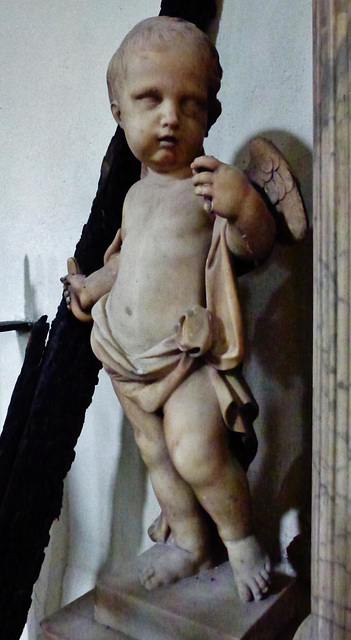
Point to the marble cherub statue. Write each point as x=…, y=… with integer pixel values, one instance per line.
x=165, y=309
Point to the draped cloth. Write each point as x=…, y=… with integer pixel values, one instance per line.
x=211, y=337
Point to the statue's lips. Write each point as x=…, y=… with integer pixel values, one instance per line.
x=167, y=142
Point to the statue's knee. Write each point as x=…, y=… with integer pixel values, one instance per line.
x=195, y=461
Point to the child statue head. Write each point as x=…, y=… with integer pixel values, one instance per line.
x=163, y=83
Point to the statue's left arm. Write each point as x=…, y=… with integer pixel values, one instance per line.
x=229, y=194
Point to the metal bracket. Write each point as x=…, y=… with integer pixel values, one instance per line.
x=16, y=325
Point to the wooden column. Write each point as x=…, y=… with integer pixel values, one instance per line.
x=331, y=493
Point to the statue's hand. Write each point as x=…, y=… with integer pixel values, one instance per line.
x=76, y=297
x=250, y=231
x=222, y=186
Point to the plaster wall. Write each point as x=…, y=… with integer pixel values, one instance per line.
x=55, y=128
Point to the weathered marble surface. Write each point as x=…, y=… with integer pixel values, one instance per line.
x=331, y=494
x=76, y=622
x=202, y=607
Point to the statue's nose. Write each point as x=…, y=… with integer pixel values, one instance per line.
x=170, y=114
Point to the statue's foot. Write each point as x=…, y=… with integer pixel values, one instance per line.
x=251, y=567
x=171, y=566
x=159, y=530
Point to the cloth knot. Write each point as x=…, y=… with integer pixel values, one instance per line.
x=193, y=332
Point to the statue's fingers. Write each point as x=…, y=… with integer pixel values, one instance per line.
x=67, y=297
x=208, y=205
x=206, y=177
x=204, y=190
x=205, y=163
x=73, y=267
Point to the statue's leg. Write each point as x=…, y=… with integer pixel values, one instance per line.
x=189, y=524
x=159, y=530
x=198, y=443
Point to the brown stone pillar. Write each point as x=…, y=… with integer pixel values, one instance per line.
x=331, y=492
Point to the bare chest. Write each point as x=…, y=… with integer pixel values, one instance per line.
x=167, y=223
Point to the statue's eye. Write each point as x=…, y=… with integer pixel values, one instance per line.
x=149, y=99
x=194, y=105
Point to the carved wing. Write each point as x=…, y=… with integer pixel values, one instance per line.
x=269, y=170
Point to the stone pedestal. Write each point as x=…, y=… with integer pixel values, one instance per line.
x=331, y=493
x=203, y=607
x=76, y=622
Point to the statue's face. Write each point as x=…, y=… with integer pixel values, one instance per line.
x=163, y=107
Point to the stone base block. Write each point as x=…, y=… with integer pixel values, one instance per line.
x=76, y=622
x=202, y=607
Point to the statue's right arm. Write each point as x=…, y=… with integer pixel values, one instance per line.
x=82, y=292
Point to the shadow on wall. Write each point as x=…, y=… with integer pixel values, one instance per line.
x=128, y=502
x=31, y=313
x=277, y=305
x=30, y=306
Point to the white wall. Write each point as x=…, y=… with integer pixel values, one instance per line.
x=55, y=127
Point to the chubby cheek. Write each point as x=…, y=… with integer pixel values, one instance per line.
x=131, y=142
x=196, y=138
x=199, y=127
x=137, y=138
